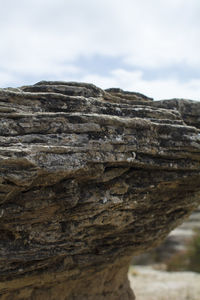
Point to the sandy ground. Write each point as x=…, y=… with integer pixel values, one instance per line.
x=150, y=284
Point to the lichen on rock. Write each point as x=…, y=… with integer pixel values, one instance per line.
x=88, y=179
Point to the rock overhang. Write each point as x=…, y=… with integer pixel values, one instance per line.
x=88, y=178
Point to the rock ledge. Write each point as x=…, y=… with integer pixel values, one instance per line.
x=88, y=179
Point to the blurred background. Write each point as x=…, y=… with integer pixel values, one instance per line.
x=152, y=47
x=172, y=270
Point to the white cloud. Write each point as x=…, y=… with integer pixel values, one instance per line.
x=157, y=89
x=45, y=38
x=5, y=78
x=146, y=33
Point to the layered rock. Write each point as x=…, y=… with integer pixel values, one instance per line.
x=180, y=239
x=88, y=179
x=176, y=244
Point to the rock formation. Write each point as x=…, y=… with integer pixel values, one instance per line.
x=88, y=179
x=176, y=244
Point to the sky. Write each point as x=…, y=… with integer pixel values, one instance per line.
x=147, y=46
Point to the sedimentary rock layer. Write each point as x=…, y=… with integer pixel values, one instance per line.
x=89, y=178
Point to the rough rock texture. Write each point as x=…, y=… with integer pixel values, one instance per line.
x=179, y=239
x=88, y=179
x=177, y=242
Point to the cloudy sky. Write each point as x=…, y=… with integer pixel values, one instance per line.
x=149, y=46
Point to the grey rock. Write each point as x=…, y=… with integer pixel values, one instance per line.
x=88, y=179
x=176, y=243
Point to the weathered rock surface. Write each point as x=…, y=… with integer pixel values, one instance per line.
x=176, y=243
x=89, y=178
